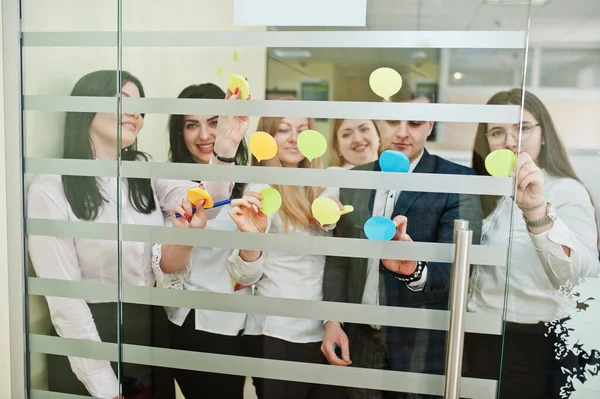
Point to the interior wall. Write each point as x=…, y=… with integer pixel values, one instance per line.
x=288, y=75
x=576, y=118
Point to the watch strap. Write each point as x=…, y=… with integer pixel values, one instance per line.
x=549, y=218
x=223, y=159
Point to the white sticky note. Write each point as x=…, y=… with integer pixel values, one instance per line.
x=300, y=12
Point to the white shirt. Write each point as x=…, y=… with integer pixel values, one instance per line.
x=383, y=205
x=82, y=259
x=540, y=271
x=281, y=275
x=207, y=272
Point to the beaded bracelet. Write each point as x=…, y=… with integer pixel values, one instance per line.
x=416, y=275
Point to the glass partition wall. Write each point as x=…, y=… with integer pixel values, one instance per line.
x=131, y=292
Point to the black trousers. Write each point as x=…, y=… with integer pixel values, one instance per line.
x=368, y=350
x=529, y=367
x=197, y=384
x=272, y=348
x=142, y=325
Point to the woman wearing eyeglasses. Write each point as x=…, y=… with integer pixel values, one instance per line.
x=553, y=247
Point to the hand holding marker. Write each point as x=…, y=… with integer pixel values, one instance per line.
x=271, y=201
x=195, y=195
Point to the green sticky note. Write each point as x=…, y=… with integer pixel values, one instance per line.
x=236, y=56
x=271, y=201
x=500, y=162
x=312, y=144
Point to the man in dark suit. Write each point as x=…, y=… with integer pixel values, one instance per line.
x=419, y=216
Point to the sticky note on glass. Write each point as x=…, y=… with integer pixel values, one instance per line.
x=312, y=144
x=500, y=163
x=300, y=13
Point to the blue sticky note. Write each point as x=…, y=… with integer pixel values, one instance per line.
x=394, y=161
x=380, y=228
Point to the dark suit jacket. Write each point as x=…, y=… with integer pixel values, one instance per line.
x=430, y=219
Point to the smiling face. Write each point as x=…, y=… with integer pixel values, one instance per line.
x=357, y=141
x=199, y=134
x=287, y=141
x=103, y=129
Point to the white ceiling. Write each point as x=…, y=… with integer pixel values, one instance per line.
x=557, y=22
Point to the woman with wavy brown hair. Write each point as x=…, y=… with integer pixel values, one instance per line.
x=553, y=247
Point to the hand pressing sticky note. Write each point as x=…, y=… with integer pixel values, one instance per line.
x=380, y=228
x=195, y=195
x=500, y=162
x=394, y=161
x=312, y=144
x=262, y=146
x=235, y=81
x=385, y=82
x=327, y=211
x=271, y=201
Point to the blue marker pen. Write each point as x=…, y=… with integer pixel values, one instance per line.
x=217, y=204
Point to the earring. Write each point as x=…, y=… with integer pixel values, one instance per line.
x=543, y=142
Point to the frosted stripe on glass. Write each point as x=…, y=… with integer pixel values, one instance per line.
x=284, y=39
x=348, y=247
x=482, y=323
x=265, y=368
x=315, y=109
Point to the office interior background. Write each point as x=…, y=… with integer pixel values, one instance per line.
x=558, y=60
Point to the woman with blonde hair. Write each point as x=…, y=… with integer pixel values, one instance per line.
x=282, y=275
x=353, y=142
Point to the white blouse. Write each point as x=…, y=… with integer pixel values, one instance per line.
x=282, y=275
x=207, y=272
x=541, y=274
x=83, y=259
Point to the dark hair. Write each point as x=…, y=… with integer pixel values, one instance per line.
x=553, y=156
x=83, y=192
x=178, y=151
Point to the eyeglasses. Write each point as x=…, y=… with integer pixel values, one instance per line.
x=499, y=135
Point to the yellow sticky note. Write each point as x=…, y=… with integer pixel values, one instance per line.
x=262, y=145
x=236, y=56
x=385, y=82
x=236, y=81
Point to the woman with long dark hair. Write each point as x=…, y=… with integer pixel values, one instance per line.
x=553, y=247
x=91, y=135
x=192, y=139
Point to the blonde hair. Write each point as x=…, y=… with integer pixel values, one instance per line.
x=296, y=206
x=335, y=157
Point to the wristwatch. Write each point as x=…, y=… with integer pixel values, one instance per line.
x=549, y=218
